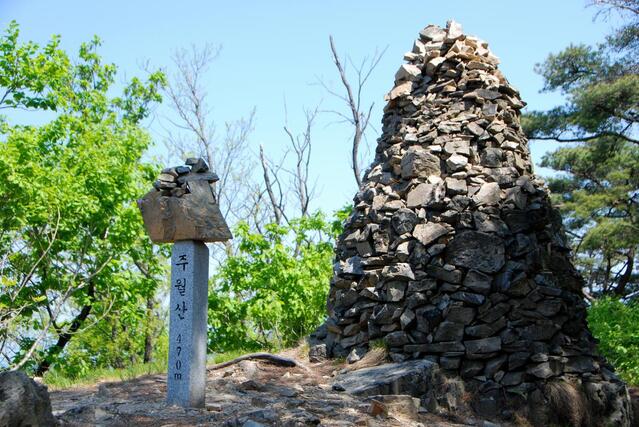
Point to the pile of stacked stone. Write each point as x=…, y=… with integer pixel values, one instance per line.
x=183, y=205
x=453, y=251
x=174, y=181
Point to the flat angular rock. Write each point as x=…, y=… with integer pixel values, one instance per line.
x=420, y=195
x=449, y=331
x=478, y=282
x=484, y=345
x=400, y=270
x=433, y=33
x=480, y=251
x=398, y=91
x=456, y=186
x=457, y=146
x=454, y=32
x=488, y=194
x=419, y=162
x=456, y=162
x=407, y=72
x=404, y=221
x=429, y=232
x=412, y=378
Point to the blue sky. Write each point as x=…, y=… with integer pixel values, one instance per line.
x=277, y=50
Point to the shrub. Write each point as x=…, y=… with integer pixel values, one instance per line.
x=273, y=291
x=616, y=325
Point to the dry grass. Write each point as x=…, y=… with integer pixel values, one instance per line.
x=568, y=402
x=522, y=421
x=374, y=357
x=634, y=401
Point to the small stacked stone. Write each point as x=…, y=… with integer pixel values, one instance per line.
x=453, y=251
x=183, y=205
x=174, y=181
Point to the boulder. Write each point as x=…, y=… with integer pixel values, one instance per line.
x=24, y=402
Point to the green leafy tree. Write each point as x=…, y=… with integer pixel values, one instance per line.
x=273, y=291
x=598, y=187
x=72, y=249
x=616, y=326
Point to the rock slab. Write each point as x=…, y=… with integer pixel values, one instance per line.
x=410, y=378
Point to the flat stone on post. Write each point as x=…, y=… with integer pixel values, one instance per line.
x=186, y=382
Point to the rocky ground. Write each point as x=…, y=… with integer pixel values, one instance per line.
x=250, y=393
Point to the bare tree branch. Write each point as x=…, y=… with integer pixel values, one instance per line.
x=275, y=203
x=358, y=118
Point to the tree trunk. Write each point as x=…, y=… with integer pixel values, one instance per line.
x=65, y=337
x=620, y=290
x=148, y=338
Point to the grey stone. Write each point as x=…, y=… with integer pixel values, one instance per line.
x=512, y=378
x=429, y=232
x=541, y=370
x=457, y=146
x=484, y=345
x=407, y=72
x=456, y=162
x=433, y=33
x=449, y=331
x=471, y=368
x=439, y=347
x=491, y=157
x=454, y=31
x=395, y=291
x=353, y=266
x=456, y=186
x=479, y=331
x=407, y=317
x=469, y=298
x=188, y=326
x=488, y=194
x=518, y=359
x=463, y=315
x=317, y=353
x=475, y=129
x=400, y=271
x=400, y=90
x=494, y=365
x=396, y=339
x=450, y=363
x=419, y=162
x=452, y=276
x=480, y=251
x=23, y=402
x=355, y=354
x=420, y=195
x=412, y=378
x=404, y=221
x=478, y=282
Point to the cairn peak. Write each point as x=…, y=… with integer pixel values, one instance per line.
x=453, y=252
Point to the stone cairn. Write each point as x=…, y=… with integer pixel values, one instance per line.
x=453, y=252
x=173, y=181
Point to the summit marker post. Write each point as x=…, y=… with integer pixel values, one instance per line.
x=182, y=209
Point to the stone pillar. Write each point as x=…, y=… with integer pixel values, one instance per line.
x=186, y=380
